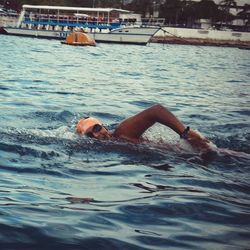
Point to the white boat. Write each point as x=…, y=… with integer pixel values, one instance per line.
x=102, y=24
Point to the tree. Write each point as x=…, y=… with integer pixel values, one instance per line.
x=225, y=6
x=245, y=15
x=108, y=3
x=205, y=9
x=171, y=11
x=141, y=6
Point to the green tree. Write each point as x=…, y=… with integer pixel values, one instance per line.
x=141, y=6
x=225, y=7
x=108, y=3
x=171, y=11
x=245, y=15
x=205, y=9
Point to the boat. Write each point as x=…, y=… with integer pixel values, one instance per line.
x=7, y=18
x=102, y=24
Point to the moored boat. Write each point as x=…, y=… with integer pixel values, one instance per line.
x=79, y=38
x=102, y=24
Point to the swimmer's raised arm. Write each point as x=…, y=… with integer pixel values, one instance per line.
x=135, y=126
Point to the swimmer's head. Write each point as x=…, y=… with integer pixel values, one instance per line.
x=92, y=127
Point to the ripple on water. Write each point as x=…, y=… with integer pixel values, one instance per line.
x=60, y=190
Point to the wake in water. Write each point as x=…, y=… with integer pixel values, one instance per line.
x=158, y=143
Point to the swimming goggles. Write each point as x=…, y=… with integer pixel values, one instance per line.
x=96, y=128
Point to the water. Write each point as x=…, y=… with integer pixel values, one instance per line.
x=58, y=190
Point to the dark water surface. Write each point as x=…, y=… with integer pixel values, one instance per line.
x=60, y=191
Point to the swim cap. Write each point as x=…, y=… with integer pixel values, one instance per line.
x=85, y=123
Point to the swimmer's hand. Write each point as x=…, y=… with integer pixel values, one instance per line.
x=198, y=141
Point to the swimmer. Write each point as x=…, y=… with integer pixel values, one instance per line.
x=132, y=128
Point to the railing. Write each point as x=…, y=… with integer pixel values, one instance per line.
x=79, y=24
x=62, y=19
x=153, y=21
x=43, y=21
x=66, y=19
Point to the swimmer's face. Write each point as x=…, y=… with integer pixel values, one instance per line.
x=99, y=132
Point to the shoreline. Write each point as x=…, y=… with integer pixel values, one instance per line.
x=178, y=40
x=200, y=41
x=202, y=37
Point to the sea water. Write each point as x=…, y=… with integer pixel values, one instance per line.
x=62, y=191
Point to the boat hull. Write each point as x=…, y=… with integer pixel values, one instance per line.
x=135, y=35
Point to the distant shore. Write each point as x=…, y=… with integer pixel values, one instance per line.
x=208, y=37
x=200, y=41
